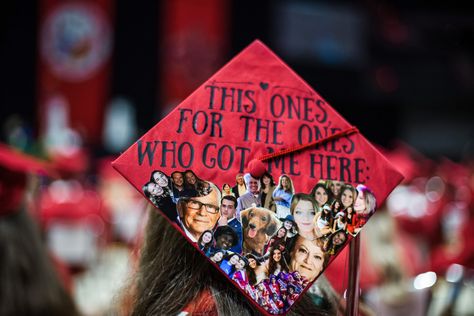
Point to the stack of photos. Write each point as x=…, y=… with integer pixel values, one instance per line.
x=268, y=239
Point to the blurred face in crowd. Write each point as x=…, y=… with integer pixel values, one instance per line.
x=239, y=179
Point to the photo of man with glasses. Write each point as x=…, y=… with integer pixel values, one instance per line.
x=200, y=213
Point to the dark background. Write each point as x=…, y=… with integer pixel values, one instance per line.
x=399, y=71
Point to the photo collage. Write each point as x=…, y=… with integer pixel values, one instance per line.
x=267, y=237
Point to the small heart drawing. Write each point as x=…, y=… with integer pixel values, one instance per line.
x=264, y=85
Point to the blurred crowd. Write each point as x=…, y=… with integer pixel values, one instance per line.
x=416, y=254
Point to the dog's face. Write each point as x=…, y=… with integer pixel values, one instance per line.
x=257, y=221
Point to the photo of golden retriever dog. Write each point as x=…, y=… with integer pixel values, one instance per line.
x=258, y=225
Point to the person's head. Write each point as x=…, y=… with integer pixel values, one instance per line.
x=303, y=208
x=159, y=178
x=341, y=217
x=335, y=187
x=336, y=205
x=225, y=237
x=152, y=189
x=288, y=222
x=242, y=264
x=276, y=254
x=217, y=256
x=253, y=184
x=308, y=257
x=291, y=289
x=365, y=202
x=178, y=179
x=226, y=188
x=200, y=213
x=320, y=194
x=326, y=209
x=285, y=183
x=30, y=284
x=288, y=225
x=190, y=177
x=253, y=261
x=339, y=238
x=239, y=178
x=348, y=194
x=206, y=238
x=266, y=180
x=281, y=232
x=228, y=206
x=233, y=259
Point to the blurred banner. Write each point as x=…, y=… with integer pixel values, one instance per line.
x=75, y=45
x=195, y=41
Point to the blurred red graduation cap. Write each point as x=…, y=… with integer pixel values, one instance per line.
x=14, y=168
x=408, y=161
x=253, y=114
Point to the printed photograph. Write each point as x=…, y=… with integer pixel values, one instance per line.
x=269, y=239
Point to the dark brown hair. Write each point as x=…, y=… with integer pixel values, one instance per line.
x=272, y=264
x=172, y=273
x=29, y=284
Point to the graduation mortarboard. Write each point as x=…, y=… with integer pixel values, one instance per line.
x=14, y=168
x=256, y=112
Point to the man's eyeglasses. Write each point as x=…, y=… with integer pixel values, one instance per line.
x=196, y=205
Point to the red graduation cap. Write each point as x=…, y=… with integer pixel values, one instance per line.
x=14, y=166
x=255, y=114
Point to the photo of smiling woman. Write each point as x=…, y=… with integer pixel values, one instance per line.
x=308, y=258
x=158, y=191
x=321, y=194
x=304, y=210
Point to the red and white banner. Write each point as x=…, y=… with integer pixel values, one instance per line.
x=194, y=42
x=75, y=46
